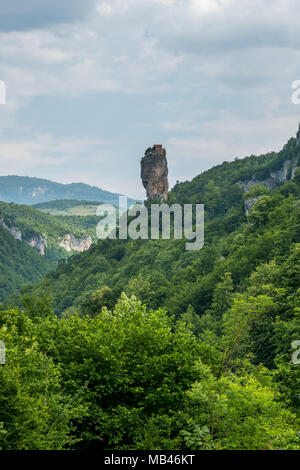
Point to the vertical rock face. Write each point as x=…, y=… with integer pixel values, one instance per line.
x=249, y=203
x=38, y=242
x=154, y=173
x=70, y=243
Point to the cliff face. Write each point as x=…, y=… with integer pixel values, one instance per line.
x=275, y=178
x=249, y=203
x=70, y=243
x=39, y=242
x=154, y=173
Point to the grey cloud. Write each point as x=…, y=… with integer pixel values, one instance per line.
x=240, y=25
x=21, y=15
x=228, y=73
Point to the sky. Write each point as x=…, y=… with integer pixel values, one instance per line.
x=90, y=84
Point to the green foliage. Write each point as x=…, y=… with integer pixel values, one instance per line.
x=130, y=367
x=257, y=190
x=63, y=204
x=19, y=264
x=297, y=176
x=169, y=349
x=35, y=411
x=240, y=414
x=133, y=380
x=222, y=296
x=104, y=297
x=33, y=223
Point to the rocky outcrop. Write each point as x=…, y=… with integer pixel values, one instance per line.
x=70, y=243
x=154, y=173
x=281, y=175
x=39, y=242
x=294, y=168
x=276, y=177
x=16, y=233
x=249, y=203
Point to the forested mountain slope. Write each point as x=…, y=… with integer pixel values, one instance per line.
x=163, y=273
x=38, y=240
x=28, y=190
x=222, y=187
x=149, y=346
x=19, y=264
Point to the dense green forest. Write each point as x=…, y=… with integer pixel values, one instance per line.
x=21, y=264
x=140, y=344
x=34, y=222
x=162, y=272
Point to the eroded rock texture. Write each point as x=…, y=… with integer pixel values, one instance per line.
x=71, y=243
x=154, y=173
x=249, y=203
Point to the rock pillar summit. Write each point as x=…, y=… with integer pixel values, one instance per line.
x=154, y=173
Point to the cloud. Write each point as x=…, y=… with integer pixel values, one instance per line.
x=210, y=79
x=20, y=15
x=45, y=151
x=212, y=26
x=154, y=46
x=224, y=139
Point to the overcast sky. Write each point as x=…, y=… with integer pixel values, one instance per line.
x=92, y=83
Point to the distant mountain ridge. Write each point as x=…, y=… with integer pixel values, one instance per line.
x=30, y=191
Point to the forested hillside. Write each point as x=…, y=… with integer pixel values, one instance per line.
x=167, y=348
x=35, y=222
x=176, y=278
x=33, y=243
x=68, y=207
x=19, y=265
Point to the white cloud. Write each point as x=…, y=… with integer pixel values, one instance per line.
x=225, y=139
x=219, y=72
x=45, y=150
x=153, y=46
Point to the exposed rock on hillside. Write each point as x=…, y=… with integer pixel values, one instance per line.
x=38, y=242
x=70, y=243
x=275, y=178
x=154, y=173
x=16, y=233
x=249, y=203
